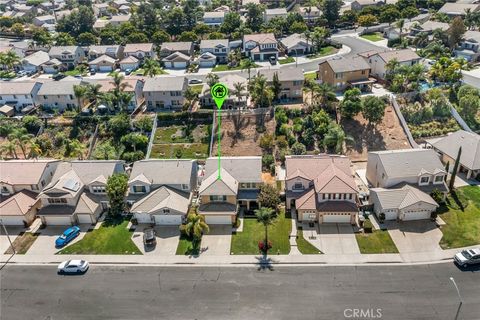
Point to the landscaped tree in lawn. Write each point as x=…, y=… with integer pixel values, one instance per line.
x=117, y=186
x=318, y=37
x=373, y=109
x=351, y=104
x=151, y=67
x=265, y=216
x=268, y=196
x=298, y=148
x=455, y=169
x=276, y=86
x=437, y=195
x=196, y=227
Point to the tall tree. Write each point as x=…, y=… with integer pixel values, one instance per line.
x=336, y=137
x=254, y=16
x=276, y=86
x=331, y=11
x=351, y=104
x=196, y=227
x=117, y=186
x=247, y=64
x=373, y=109
x=151, y=68
x=455, y=169
x=80, y=92
x=268, y=196
x=455, y=32
x=266, y=217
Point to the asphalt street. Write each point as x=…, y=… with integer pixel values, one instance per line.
x=314, y=292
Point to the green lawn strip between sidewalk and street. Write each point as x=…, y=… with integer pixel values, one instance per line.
x=286, y=60
x=379, y=241
x=304, y=246
x=325, y=51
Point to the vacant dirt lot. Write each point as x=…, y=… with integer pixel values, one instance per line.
x=387, y=135
x=240, y=137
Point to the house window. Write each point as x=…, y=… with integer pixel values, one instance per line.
x=298, y=186
x=139, y=189
x=56, y=200
x=438, y=179
x=218, y=198
x=424, y=180
x=166, y=211
x=98, y=189
x=5, y=190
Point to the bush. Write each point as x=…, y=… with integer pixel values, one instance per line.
x=267, y=161
x=183, y=230
x=367, y=226
x=32, y=123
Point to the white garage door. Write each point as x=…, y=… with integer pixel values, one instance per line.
x=58, y=221
x=218, y=219
x=84, y=218
x=416, y=215
x=12, y=220
x=168, y=219
x=336, y=218
x=179, y=65
x=105, y=68
x=390, y=215
x=143, y=217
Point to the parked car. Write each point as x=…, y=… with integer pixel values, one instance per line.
x=58, y=76
x=73, y=266
x=273, y=60
x=67, y=236
x=128, y=72
x=194, y=81
x=466, y=257
x=21, y=73
x=92, y=71
x=149, y=237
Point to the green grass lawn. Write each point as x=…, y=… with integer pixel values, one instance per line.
x=165, y=135
x=462, y=217
x=379, y=241
x=310, y=76
x=325, y=51
x=225, y=67
x=110, y=238
x=246, y=242
x=197, y=88
x=188, y=150
x=74, y=72
x=286, y=60
x=185, y=247
x=304, y=246
x=376, y=36
x=140, y=72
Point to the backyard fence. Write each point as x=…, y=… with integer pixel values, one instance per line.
x=396, y=107
x=152, y=137
x=93, y=141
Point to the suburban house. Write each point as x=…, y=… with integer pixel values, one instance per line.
x=213, y=18
x=58, y=94
x=378, y=60
x=33, y=62
x=343, y=73
x=321, y=188
x=100, y=9
x=260, y=47
x=19, y=94
x=103, y=64
x=358, y=5
x=235, y=185
x=165, y=93
x=20, y=183
x=161, y=190
x=139, y=50
x=53, y=66
x=39, y=21
x=130, y=85
x=402, y=204
x=428, y=27
x=269, y=14
x=455, y=9
x=219, y=48
x=129, y=63
x=296, y=44
x=469, y=159
x=113, y=51
x=291, y=80
x=234, y=100
x=77, y=192
x=310, y=14
x=176, y=60
x=70, y=56
x=185, y=47
x=468, y=48
x=206, y=60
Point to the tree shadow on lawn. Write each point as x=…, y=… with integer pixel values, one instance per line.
x=460, y=202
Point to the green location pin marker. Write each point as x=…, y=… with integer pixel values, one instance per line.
x=219, y=93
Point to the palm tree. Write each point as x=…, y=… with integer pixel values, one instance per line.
x=261, y=93
x=9, y=59
x=211, y=79
x=35, y=151
x=92, y=92
x=248, y=64
x=323, y=93
x=265, y=216
x=150, y=68
x=196, y=227
x=420, y=40
x=400, y=25
x=74, y=148
x=190, y=97
x=80, y=92
x=336, y=137
x=21, y=138
x=307, y=34
x=238, y=89
x=9, y=148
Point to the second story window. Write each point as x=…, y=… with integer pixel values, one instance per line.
x=298, y=186
x=98, y=189
x=438, y=179
x=139, y=189
x=424, y=180
x=218, y=198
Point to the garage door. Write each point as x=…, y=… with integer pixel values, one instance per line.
x=84, y=218
x=168, y=219
x=143, y=217
x=416, y=215
x=390, y=215
x=218, y=219
x=12, y=220
x=58, y=221
x=105, y=68
x=336, y=218
x=179, y=65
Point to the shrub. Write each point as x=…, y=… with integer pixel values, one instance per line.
x=367, y=226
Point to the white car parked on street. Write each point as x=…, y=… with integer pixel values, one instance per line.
x=73, y=266
x=466, y=257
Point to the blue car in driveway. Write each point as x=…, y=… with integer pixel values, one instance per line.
x=67, y=236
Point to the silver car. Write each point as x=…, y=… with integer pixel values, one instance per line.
x=73, y=266
x=466, y=257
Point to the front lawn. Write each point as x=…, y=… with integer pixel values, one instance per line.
x=375, y=36
x=22, y=243
x=304, y=246
x=286, y=60
x=197, y=88
x=461, y=214
x=379, y=241
x=246, y=242
x=185, y=247
x=110, y=238
x=226, y=67
x=75, y=72
x=325, y=51
x=310, y=76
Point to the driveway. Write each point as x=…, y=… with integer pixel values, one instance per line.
x=415, y=236
x=167, y=240
x=13, y=233
x=45, y=243
x=217, y=241
x=332, y=238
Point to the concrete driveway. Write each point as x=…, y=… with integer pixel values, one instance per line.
x=415, y=236
x=217, y=241
x=332, y=238
x=45, y=243
x=13, y=233
x=167, y=240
